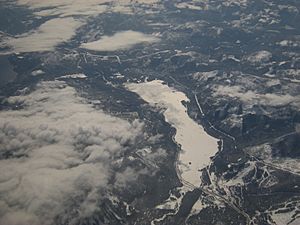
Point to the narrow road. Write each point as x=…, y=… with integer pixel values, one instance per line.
x=209, y=192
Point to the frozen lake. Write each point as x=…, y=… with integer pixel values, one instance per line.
x=196, y=145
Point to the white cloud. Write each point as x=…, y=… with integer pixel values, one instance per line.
x=250, y=97
x=50, y=34
x=80, y=8
x=69, y=16
x=57, y=154
x=119, y=41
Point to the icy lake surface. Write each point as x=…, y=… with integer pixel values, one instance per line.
x=196, y=145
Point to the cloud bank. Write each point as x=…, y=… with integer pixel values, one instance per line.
x=120, y=41
x=58, y=155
